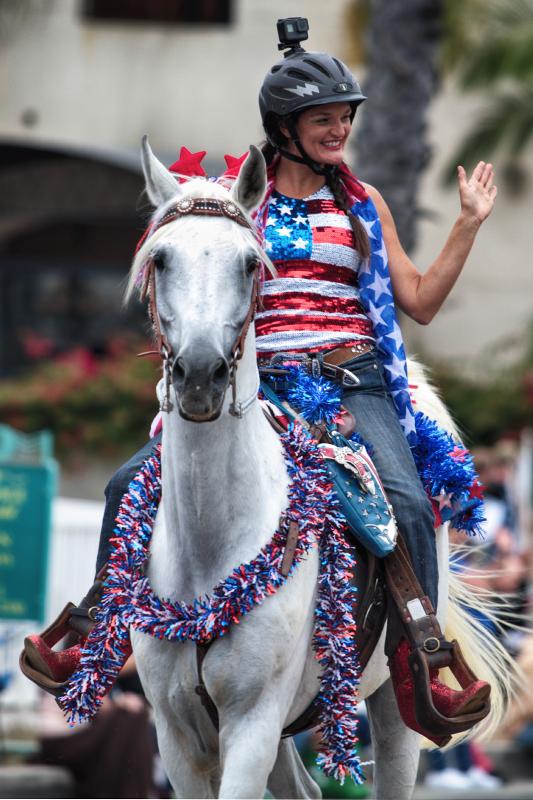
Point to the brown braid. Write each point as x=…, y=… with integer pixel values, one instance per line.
x=342, y=201
x=269, y=151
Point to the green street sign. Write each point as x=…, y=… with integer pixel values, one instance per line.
x=26, y=493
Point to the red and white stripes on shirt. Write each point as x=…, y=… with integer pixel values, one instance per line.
x=314, y=303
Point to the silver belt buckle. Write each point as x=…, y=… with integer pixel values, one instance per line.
x=348, y=378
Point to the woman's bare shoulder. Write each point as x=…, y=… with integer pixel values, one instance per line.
x=374, y=194
x=381, y=206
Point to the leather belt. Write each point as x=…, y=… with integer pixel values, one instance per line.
x=342, y=354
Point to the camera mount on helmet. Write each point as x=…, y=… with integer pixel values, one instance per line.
x=292, y=31
x=299, y=81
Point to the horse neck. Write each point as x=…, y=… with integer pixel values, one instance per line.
x=224, y=485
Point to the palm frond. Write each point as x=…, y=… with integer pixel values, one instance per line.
x=507, y=56
x=489, y=40
x=507, y=125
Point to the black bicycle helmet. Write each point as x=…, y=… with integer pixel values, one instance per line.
x=302, y=80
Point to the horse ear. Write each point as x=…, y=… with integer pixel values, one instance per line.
x=250, y=186
x=161, y=185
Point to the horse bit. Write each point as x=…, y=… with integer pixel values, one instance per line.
x=213, y=208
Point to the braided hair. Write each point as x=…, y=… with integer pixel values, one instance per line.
x=342, y=201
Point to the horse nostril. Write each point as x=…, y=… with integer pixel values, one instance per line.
x=220, y=373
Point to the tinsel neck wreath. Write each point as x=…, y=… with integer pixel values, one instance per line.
x=128, y=601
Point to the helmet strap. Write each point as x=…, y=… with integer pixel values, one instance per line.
x=303, y=158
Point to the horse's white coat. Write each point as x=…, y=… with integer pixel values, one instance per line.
x=224, y=485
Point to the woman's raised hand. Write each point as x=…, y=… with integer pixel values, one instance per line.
x=478, y=193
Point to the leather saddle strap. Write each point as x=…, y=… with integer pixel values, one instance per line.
x=415, y=610
x=201, y=689
x=290, y=548
x=429, y=649
x=371, y=606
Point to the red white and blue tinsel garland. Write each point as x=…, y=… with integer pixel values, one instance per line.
x=129, y=602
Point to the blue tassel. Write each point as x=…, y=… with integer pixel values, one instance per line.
x=443, y=474
x=316, y=399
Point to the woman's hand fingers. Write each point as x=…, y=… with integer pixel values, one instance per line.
x=478, y=171
x=461, y=177
x=477, y=193
x=487, y=176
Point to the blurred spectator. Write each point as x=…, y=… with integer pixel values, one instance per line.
x=458, y=768
x=113, y=755
x=498, y=562
x=518, y=724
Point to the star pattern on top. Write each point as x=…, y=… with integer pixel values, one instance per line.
x=289, y=232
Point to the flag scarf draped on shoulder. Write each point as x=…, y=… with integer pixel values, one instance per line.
x=377, y=298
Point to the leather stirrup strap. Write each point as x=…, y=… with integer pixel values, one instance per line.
x=414, y=607
x=429, y=648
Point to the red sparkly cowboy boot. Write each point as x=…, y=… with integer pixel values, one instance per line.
x=417, y=650
x=466, y=706
x=51, y=669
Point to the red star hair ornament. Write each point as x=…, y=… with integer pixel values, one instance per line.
x=233, y=165
x=189, y=164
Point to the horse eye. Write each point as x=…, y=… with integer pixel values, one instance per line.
x=251, y=265
x=159, y=260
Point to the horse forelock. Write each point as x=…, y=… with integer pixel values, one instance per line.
x=242, y=239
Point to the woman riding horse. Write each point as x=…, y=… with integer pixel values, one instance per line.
x=327, y=305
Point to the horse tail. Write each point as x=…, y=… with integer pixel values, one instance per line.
x=470, y=609
x=475, y=618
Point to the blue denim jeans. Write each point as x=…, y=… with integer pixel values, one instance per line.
x=377, y=422
x=114, y=492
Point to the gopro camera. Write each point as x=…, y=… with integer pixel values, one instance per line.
x=292, y=31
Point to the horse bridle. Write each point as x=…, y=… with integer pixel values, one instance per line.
x=211, y=207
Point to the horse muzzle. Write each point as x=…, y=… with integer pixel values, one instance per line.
x=200, y=381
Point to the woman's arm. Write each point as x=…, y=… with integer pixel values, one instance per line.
x=421, y=296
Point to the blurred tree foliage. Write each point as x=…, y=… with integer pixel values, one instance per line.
x=106, y=410
x=93, y=407
x=401, y=47
x=489, y=43
x=499, y=406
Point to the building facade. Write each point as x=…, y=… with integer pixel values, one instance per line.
x=82, y=81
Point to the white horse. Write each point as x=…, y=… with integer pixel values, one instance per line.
x=224, y=486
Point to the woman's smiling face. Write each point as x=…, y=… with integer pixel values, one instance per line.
x=323, y=132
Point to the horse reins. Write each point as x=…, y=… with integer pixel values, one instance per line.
x=211, y=207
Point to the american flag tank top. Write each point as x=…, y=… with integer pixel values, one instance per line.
x=314, y=303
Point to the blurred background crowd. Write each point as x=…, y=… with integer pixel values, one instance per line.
x=80, y=83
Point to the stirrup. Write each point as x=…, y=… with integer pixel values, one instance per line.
x=78, y=619
x=29, y=663
x=437, y=653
